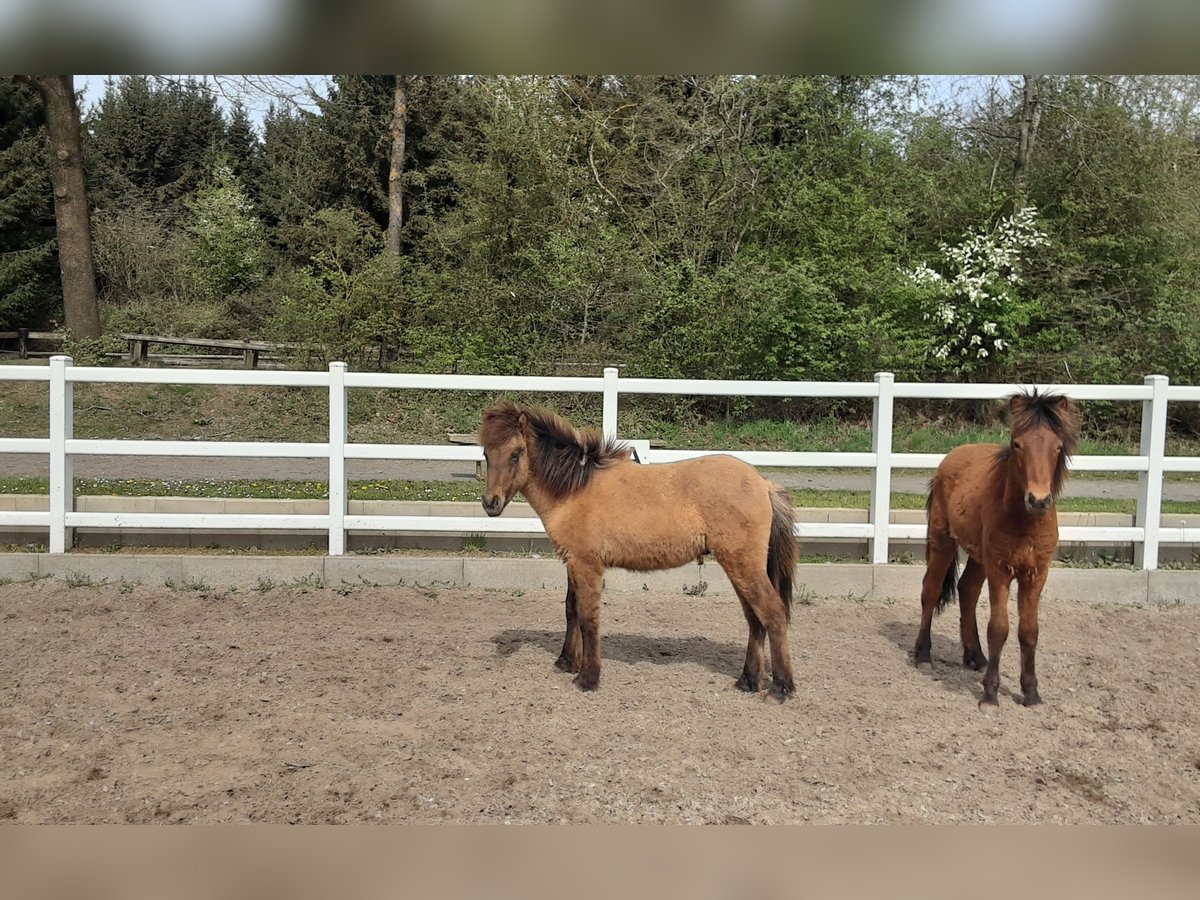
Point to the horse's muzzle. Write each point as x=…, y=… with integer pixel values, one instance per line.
x=493, y=506
x=1038, y=506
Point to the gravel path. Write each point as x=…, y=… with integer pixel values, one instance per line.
x=198, y=468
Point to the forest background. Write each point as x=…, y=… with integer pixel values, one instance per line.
x=816, y=227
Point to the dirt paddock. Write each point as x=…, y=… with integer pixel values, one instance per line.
x=143, y=704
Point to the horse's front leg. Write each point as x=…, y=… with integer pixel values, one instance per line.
x=587, y=581
x=568, y=660
x=1029, y=594
x=997, y=632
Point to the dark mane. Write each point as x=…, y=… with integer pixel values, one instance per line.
x=1030, y=410
x=563, y=458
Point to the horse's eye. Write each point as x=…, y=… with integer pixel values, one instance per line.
x=516, y=455
x=1016, y=445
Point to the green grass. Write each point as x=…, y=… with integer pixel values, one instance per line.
x=472, y=491
x=216, y=412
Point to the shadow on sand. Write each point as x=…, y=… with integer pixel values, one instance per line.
x=717, y=656
x=948, y=670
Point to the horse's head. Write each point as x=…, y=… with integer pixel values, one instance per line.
x=505, y=440
x=1045, y=431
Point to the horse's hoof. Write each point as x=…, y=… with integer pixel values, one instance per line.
x=745, y=683
x=924, y=665
x=565, y=665
x=989, y=704
x=781, y=690
x=978, y=663
x=588, y=681
x=1031, y=698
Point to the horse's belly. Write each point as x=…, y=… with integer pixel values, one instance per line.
x=649, y=553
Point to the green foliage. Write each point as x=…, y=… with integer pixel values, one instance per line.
x=226, y=248
x=91, y=351
x=154, y=138
x=351, y=299
x=700, y=226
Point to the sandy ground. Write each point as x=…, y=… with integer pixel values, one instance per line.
x=141, y=704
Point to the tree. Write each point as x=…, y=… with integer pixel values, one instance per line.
x=1031, y=115
x=396, y=130
x=29, y=285
x=226, y=245
x=157, y=138
x=73, y=222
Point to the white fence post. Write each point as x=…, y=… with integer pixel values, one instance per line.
x=610, y=402
x=1150, y=482
x=62, y=429
x=337, y=458
x=881, y=484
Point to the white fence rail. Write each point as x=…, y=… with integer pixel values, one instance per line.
x=62, y=448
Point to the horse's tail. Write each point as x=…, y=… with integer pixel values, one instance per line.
x=949, y=586
x=782, y=550
x=950, y=582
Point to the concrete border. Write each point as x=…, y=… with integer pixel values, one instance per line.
x=899, y=582
x=356, y=540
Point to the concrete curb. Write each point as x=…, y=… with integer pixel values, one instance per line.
x=900, y=582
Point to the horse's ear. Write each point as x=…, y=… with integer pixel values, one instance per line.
x=1014, y=405
x=1068, y=413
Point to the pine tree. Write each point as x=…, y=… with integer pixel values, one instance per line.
x=160, y=140
x=29, y=283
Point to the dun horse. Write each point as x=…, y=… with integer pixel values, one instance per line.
x=601, y=509
x=998, y=504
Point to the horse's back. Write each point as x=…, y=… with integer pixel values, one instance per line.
x=656, y=516
x=704, y=486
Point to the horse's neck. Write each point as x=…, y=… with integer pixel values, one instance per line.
x=537, y=495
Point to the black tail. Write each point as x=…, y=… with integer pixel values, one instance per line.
x=950, y=582
x=782, y=549
x=949, y=586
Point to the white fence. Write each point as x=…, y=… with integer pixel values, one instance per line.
x=62, y=447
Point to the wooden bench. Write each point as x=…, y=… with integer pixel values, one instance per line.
x=469, y=440
x=23, y=336
x=139, y=345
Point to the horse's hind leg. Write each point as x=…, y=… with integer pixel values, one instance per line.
x=757, y=593
x=751, y=679
x=969, y=586
x=940, y=553
x=568, y=660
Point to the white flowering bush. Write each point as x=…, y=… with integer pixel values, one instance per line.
x=972, y=298
x=227, y=247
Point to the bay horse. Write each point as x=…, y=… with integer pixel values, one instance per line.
x=602, y=509
x=998, y=504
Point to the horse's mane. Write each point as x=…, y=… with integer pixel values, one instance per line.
x=1029, y=410
x=564, y=458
